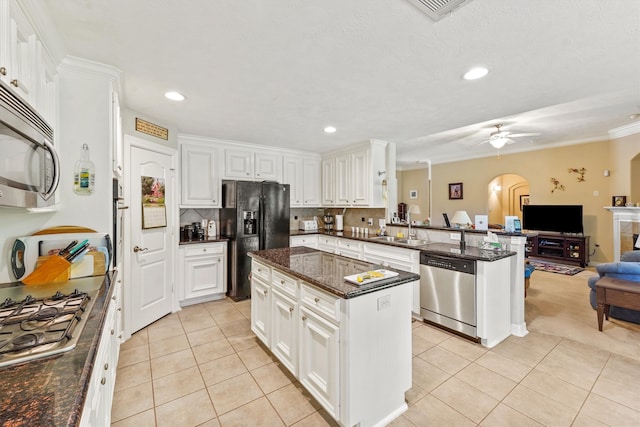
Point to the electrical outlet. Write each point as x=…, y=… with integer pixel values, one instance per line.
x=295, y=217
x=362, y=219
x=455, y=236
x=370, y=222
x=596, y=193
x=384, y=302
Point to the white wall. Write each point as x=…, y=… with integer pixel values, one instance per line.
x=83, y=118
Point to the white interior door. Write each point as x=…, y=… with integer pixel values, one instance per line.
x=152, y=251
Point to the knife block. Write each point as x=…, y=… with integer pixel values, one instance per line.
x=53, y=269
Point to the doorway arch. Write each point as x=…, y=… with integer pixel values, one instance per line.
x=506, y=195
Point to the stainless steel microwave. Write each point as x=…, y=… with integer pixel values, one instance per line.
x=29, y=165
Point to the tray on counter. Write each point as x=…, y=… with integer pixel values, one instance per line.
x=370, y=276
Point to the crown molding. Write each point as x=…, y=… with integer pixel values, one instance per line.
x=626, y=130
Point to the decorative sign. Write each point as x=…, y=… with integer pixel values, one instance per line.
x=154, y=212
x=152, y=129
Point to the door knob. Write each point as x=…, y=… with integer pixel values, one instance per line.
x=137, y=248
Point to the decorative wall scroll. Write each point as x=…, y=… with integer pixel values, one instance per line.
x=556, y=185
x=580, y=172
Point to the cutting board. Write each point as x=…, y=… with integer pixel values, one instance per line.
x=385, y=274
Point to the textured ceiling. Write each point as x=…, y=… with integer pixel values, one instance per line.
x=277, y=72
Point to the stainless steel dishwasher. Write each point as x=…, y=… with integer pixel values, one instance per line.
x=448, y=292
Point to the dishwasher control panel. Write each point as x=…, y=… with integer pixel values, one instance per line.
x=448, y=263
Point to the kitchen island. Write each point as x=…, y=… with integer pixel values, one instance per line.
x=348, y=343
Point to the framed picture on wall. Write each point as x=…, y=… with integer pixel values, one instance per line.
x=524, y=200
x=413, y=194
x=455, y=191
x=619, y=201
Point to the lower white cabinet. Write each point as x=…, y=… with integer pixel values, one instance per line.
x=310, y=241
x=97, y=404
x=320, y=359
x=284, y=340
x=204, y=272
x=261, y=302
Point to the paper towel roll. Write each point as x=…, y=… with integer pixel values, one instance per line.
x=339, y=223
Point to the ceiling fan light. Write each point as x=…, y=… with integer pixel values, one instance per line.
x=498, y=142
x=475, y=73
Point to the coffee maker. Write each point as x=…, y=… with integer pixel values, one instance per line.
x=328, y=222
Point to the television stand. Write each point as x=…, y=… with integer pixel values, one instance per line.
x=566, y=249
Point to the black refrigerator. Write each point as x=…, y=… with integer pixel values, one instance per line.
x=254, y=216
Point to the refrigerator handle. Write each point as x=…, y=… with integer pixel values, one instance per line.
x=261, y=233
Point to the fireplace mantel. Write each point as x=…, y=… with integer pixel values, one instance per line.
x=621, y=214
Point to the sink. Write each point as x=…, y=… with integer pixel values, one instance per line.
x=412, y=242
x=385, y=238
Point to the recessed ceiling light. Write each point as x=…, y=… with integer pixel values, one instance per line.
x=174, y=96
x=475, y=73
x=329, y=129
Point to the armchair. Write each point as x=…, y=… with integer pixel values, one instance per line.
x=628, y=269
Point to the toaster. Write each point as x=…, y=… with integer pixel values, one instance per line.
x=307, y=225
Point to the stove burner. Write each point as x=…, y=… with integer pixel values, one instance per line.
x=25, y=341
x=8, y=303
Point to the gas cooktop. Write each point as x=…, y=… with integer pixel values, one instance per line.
x=36, y=322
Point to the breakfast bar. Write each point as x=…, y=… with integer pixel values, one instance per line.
x=338, y=324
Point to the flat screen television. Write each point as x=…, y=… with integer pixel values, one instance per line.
x=557, y=218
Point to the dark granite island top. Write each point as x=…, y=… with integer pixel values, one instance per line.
x=51, y=391
x=320, y=269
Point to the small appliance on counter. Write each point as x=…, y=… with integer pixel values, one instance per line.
x=328, y=222
x=212, y=231
x=339, y=223
x=308, y=225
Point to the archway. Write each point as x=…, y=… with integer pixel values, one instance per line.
x=507, y=194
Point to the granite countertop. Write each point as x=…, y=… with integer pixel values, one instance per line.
x=205, y=240
x=470, y=253
x=51, y=390
x=326, y=271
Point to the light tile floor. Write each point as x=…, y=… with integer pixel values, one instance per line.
x=202, y=366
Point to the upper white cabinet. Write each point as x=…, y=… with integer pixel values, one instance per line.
x=252, y=165
x=303, y=176
x=24, y=61
x=200, y=183
x=355, y=177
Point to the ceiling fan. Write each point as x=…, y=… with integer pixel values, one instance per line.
x=499, y=137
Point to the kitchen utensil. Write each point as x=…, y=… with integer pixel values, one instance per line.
x=81, y=246
x=68, y=248
x=54, y=269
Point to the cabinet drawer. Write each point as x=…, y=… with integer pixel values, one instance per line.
x=203, y=249
x=321, y=302
x=286, y=284
x=260, y=270
x=349, y=244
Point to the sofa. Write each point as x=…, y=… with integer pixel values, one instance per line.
x=628, y=269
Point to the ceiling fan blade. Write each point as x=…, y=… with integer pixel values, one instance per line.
x=517, y=135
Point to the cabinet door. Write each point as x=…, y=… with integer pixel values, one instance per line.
x=360, y=178
x=329, y=182
x=268, y=166
x=284, y=339
x=200, y=186
x=311, y=182
x=343, y=180
x=204, y=276
x=22, y=48
x=292, y=175
x=238, y=164
x=319, y=360
x=261, y=310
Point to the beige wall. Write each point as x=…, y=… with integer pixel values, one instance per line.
x=415, y=179
x=538, y=167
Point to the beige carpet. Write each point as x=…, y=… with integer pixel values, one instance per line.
x=559, y=305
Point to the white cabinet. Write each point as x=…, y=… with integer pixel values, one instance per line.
x=261, y=302
x=327, y=243
x=284, y=342
x=354, y=177
x=204, y=276
x=303, y=177
x=97, y=405
x=320, y=360
x=200, y=183
x=310, y=241
x=250, y=164
x=349, y=248
x=24, y=62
